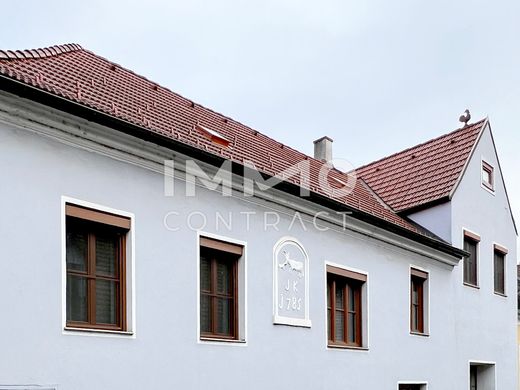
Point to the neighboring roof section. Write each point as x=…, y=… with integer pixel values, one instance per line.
x=425, y=173
x=82, y=77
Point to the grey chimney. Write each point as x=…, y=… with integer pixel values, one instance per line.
x=323, y=149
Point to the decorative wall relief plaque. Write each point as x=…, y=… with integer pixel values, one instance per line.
x=291, y=283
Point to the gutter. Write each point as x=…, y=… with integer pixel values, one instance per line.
x=45, y=98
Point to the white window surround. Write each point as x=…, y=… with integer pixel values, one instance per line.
x=426, y=297
x=130, y=273
x=486, y=364
x=483, y=162
x=477, y=287
x=504, y=250
x=365, y=309
x=242, y=292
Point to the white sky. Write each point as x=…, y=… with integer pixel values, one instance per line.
x=375, y=75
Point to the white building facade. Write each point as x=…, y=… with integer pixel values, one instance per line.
x=125, y=265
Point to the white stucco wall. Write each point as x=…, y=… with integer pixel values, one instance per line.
x=437, y=219
x=486, y=322
x=164, y=353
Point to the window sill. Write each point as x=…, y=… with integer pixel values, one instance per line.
x=352, y=347
x=471, y=285
x=488, y=188
x=71, y=329
x=500, y=294
x=419, y=334
x=221, y=341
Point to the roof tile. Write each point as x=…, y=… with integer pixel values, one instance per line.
x=424, y=173
x=79, y=75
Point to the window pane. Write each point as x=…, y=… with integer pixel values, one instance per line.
x=224, y=278
x=329, y=286
x=205, y=313
x=499, y=273
x=351, y=299
x=77, y=299
x=351, y=328
x=106, y=302
x=106, y=254
x=415, y=317
x=415, y=294
x=77, y=251
x=224, y=307
x=205, y=274
x=329, y=327
x=470, y=262
x=339, y=297
x=339, y=326
x=486, y=176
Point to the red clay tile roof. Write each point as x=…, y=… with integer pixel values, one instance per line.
x=424, y=173
x=80, y=76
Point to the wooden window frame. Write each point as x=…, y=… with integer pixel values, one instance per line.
x=233, y=253
x=92, y=222
x=349, y=280
x=418, y=279
x=474, y=239
x=488, y=168
x=502, y=252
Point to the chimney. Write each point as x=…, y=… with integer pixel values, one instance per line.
x=323, y=149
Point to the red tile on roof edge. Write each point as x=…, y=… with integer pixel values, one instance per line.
x=40, y=52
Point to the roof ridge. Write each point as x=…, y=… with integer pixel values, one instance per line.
x=44, y=52
x=479, y=122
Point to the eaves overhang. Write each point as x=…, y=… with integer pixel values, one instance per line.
x=42, y=97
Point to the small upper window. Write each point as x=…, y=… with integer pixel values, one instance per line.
x=95, y=257
x=488, y=179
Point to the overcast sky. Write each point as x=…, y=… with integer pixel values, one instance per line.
x=375, y=75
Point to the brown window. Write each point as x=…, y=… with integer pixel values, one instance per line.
x=344, y=307
x=471, y=261
x=219, y=289
x=487, y=176
x=417, y=308
x=95, y=257
x=499, y=269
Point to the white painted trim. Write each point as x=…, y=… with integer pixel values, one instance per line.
x=243, y=341
x=482, y=363
x=493, y=176
x=75, y=132
x=280, y=320
x=130, y=259
x=478, y=257
x=473, y=148
x=366, y=345
x=427, y=330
